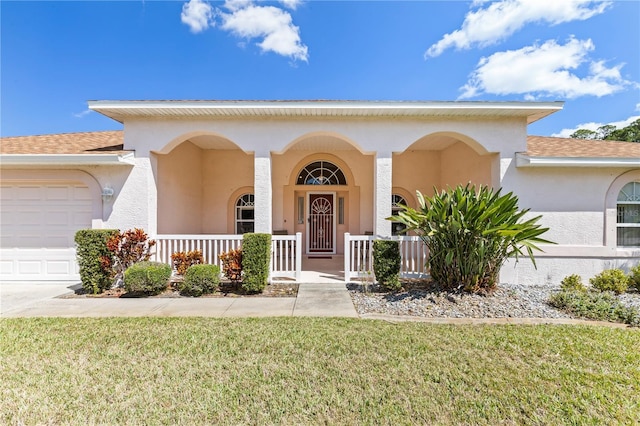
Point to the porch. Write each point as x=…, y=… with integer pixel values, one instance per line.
x=289, y=264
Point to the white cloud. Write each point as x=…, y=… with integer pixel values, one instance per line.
x=638, y=107
x=81, y=114
x=271, y=24
x=198, y=15
x=501, y=19
x=291, y=4
x=549, y=69
x=565, y=133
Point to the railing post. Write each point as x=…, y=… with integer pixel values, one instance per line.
x=298, y=256
x=347, y=257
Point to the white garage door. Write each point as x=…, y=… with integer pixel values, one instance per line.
x=37, y=227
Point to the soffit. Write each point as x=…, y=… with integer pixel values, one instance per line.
x=122, y=110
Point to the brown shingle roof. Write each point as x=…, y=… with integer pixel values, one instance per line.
x=110, y=142
x=544, y=146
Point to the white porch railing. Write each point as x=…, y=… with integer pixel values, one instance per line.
x=286, y=255
x=358, y=256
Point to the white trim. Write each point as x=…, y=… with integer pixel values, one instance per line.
x=119, y=110
x=67, y=159
x=524, y=160
x=308, y=211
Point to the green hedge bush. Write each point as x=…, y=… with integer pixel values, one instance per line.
x=572, y=283
x=147, y=277
x=94, y=259
x=634, y=279
x=611, y=280
x=595, y=305
x=200, y=279
x=256, y=256
x=386, y=263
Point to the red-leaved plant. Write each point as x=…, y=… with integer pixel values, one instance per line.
x=232, y=264
x=182, y=260
x=128, y=247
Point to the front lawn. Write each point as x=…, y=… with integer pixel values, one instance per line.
x=310, y=371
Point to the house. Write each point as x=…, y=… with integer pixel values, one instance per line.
x=322, y=176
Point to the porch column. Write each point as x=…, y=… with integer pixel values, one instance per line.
x=382, y=194
x=262, y=192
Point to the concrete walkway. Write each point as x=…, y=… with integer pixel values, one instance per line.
x=42, y=300
x=327, y=299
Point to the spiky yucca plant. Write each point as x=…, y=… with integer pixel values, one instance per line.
x=470, y=233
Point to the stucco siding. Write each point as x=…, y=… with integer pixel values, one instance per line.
x=180, y=190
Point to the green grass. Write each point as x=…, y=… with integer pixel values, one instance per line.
x=310, y=371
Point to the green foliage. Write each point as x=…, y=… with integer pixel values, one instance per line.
x=634, y=278
x=631, y=133
x=470, y=233
x=232, y=264
x=94, y=259
x=572, y=283
x=129, y=247
x=613, y=280
x=256, y=256
x=147, y=277
x=584, y=134
x=183, y=260
x=200, y=279
x=386, y=263
x=602, y=306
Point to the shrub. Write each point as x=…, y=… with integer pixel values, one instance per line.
x=596, y=306
x=147, y=277
x=572, y=283
x=129, y=247
x=232, y=264
x=634, y=278
x=183, y=260
x=200, y=279
x=470, y=234
x=386, y=263
x=94, y=259
x=611, y=280
x=256, y=256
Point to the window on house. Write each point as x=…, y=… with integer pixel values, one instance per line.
x=321, y=173
x=628, y=222
x=245, y=208
x=396, y=202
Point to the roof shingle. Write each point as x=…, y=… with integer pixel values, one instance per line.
x=544, y=146
x=109, y=142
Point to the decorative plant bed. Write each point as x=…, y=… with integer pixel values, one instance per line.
x=226, y=289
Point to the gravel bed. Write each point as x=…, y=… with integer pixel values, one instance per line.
x=507, y=301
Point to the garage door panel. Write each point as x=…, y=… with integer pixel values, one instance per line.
x=37, y=230
x=29, y=193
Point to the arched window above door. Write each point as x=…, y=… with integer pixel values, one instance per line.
x=321, y=173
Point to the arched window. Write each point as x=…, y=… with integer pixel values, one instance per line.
x=628, y=222
x=321, y=173
x=396, y=202
x=245, y=207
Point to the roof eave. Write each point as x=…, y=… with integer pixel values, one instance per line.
x=120, y=110
x=524, y=160
x=67, y=159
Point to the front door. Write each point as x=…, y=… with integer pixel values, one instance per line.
x=320, y=226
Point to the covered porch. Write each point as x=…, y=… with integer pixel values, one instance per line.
x=288, y=263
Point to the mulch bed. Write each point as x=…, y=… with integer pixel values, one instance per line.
x=227, y=289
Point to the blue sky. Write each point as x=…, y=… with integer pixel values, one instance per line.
x=57, y=55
